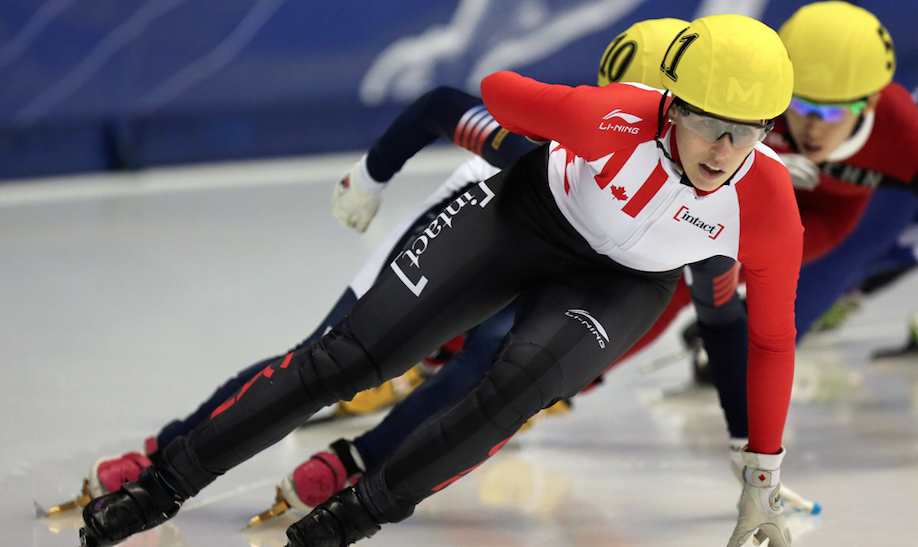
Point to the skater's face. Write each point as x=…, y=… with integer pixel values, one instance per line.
x=820, y=128
x=712, y=148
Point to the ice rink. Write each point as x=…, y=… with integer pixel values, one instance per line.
x=126, y=299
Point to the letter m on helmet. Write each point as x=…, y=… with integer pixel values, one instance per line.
x=737, y=93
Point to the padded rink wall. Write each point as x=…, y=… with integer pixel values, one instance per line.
x=95, y=85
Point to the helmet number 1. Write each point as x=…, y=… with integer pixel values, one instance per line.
x=685, y=42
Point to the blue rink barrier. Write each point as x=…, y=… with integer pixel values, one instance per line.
x=94, y=85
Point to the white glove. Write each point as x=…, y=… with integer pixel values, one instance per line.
x=356, y=197
x=736, y=446
x=789, y=498
x=760, y=504
x=804, y=173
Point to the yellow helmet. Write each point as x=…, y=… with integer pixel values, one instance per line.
x=635, y=55
x=730, y=65
x=840, y=52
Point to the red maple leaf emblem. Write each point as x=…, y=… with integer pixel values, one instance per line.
x=618, y=192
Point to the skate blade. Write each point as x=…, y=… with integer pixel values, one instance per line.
x=909, y=351
x=78, y=503
x=690, y=393
x=272, y=534
x=795, y=502
x=812, y=508
x=663, y=361
x=279, y=508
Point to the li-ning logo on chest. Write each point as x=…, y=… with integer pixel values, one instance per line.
x=612, y=122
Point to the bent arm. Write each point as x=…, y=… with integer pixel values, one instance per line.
x=449, y=114
x=577, y=117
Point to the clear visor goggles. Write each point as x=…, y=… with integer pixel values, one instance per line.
x=711, y=128
x=829, y=113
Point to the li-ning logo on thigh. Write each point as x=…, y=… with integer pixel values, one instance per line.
x=411, y=256
x=591, y=323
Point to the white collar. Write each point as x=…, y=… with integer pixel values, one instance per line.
x=856, y=141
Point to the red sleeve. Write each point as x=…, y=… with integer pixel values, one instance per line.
x=827, y=219
x=577, y=117
x=771, y=245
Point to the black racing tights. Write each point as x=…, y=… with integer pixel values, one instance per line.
x=502, y=238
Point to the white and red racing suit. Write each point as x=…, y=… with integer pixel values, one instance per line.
x=590, y=233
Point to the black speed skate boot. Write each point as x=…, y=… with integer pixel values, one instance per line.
x=135, y=507
x=338, y=522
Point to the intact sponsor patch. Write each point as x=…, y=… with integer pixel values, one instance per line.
x=713, y=229
x=410, y=258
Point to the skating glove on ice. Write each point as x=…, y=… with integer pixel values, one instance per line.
x=804, y=173
x=760, y=503
x=791, y=500
x=356, y=197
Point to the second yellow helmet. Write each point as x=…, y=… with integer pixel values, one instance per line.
x=635, y=55
x=840, y=52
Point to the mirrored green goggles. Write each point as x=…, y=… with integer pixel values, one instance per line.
x=830, y=113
